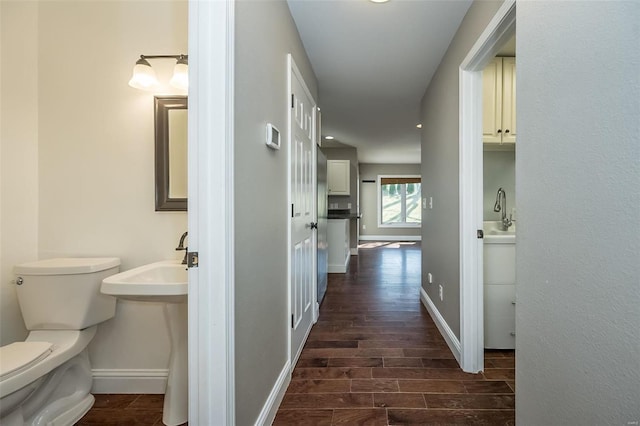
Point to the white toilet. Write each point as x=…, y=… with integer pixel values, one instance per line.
x=46, y=379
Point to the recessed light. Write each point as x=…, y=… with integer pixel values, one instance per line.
x=419, y=126
x=378, y=1
x=329, y=138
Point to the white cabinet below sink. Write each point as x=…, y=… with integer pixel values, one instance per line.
x=499, y=294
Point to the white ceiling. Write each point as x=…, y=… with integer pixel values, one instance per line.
x=373, y=63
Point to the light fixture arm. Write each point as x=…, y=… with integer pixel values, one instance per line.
x=180, y=57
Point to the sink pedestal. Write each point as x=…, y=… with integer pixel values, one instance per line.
x=176, y=397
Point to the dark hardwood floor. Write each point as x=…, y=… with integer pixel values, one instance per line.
x=375, y=357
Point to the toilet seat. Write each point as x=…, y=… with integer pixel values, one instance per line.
x=19, y=356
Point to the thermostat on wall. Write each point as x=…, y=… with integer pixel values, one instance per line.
x=273, y=136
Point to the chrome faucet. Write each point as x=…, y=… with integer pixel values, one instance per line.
x=182, y=247
x=501, y=206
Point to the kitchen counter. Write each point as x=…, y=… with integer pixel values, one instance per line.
x=342, y=214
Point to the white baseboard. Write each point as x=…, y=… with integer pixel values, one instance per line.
x=129, y=381
x=268, y=413
x=452, y=341
x=390, y=237
x=335, y=268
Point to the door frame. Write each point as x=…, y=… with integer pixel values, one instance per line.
x=211, y=214
x=497, y=32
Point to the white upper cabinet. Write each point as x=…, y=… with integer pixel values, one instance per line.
x=499, y=102
x=338, y=177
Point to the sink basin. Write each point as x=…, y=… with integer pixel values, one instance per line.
x=164, y=281
x=494, y=227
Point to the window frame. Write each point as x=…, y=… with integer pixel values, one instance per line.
x=379, y=202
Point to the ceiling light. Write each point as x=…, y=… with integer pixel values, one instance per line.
x=329, y=138
x=378, y=1
x=419, y=126
x=144, y=77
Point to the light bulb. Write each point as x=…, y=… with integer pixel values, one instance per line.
x=180, y=77
x=144, y=77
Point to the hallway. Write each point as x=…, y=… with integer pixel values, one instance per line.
x=375, y=356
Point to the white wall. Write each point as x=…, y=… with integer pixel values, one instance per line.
x=369, y=198
x=18, y=155
x=94, y=188
x=578, y=259
x=440, y=171
x=265, y=34
x=499, y=171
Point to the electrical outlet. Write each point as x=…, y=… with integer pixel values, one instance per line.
x=424, y=203
x=440, y=291
x=364, y=227
x=430, y=202
x=429, y=278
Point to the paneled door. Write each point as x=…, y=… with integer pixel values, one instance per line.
x=302, y=244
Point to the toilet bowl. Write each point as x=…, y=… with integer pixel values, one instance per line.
x=46, y=380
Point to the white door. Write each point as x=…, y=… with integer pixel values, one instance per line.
x=302, y=247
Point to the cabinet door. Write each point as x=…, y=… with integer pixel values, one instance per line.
x=508, y=100
x=338, y=179
x=499, y=316
x=492, y=102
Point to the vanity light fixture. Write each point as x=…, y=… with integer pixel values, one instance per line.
x=144, y=77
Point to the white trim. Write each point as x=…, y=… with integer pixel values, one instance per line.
x=338, y=268
x=210, y=215
x=445, y=330
x=114, y=380
x=390, y=237
x=270, y=408
x=501, y=27
x=353, y=251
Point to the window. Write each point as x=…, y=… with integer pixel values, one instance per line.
x=399, y=201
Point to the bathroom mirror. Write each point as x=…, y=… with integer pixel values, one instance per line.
x=171, y=153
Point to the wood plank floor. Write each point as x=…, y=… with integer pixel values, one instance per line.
x=375, y=357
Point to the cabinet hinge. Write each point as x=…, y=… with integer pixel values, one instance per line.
x=480, y=234
x=192, y=259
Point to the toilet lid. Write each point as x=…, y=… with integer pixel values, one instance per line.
x=19, y=356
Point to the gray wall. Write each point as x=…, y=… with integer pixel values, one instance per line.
x=499, y=171
x=440, y=171
x=578, y=162
x=265, y=33
x=369, y=197
x=350, y=154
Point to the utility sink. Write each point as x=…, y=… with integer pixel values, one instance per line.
x=164, y=281
x=494, y=227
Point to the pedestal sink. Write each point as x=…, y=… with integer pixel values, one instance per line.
x=165, y=282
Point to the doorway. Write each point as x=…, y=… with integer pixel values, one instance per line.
x=498, y=32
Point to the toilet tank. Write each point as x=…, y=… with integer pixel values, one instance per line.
x=64, y=293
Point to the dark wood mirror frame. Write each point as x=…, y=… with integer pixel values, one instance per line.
x=163, y=104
